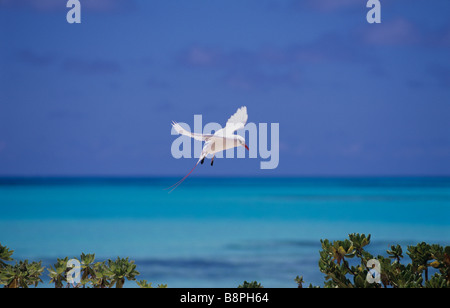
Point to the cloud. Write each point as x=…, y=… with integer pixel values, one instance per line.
x=244, y=69
x=209, y=57
x=441, y=74
x=392, y=33
x=197, y=56
x=327, y=5
x=155, y=83
x=31, y=57
x=41, y=5
x=256, y=79
x=351, y=150
x=445, y=38
x=84, y=66
x=330, y=47
x=164, y=106
x=57, y=5
x=269, y=66
x=440, y=37
x=402, y=32
x=72, y=64
x=65, y=115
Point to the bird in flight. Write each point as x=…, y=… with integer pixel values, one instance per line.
x=221, y=140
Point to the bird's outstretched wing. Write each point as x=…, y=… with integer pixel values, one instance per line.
x=182, y=131
x=235, y=122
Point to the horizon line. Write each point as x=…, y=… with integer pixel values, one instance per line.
x=6, y=177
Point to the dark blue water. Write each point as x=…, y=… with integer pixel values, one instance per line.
x=218, y=232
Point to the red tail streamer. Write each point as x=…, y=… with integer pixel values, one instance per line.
x=181, y=181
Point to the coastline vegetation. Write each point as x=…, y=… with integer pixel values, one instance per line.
x=345, y=264
x=105, y=274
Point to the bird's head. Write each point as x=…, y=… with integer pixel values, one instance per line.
x=241, y=142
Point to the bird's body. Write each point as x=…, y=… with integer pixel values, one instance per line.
x=218, y=144
x=221, y=140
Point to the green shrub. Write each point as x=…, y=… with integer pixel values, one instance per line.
x=250, y=285
x=339, y=273
x=148, y=285
x=21, y=275
x=58, y=273
x=5, y=255
x=106, y=274
x=119, y=270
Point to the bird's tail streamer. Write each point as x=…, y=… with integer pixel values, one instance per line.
x=181, y=181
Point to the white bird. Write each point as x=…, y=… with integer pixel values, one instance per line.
x=221, y=140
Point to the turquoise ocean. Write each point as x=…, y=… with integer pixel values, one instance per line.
x=217, y=232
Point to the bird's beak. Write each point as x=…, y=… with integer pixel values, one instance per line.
x=246, y=147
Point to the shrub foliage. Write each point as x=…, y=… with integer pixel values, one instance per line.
x=339, y=272
x=346, y=264
x=105, y=274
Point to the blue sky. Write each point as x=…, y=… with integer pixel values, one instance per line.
x=97, y=98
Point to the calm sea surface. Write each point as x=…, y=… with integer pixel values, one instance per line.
x=216, y=232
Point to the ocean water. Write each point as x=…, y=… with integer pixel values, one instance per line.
x=218, y=232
